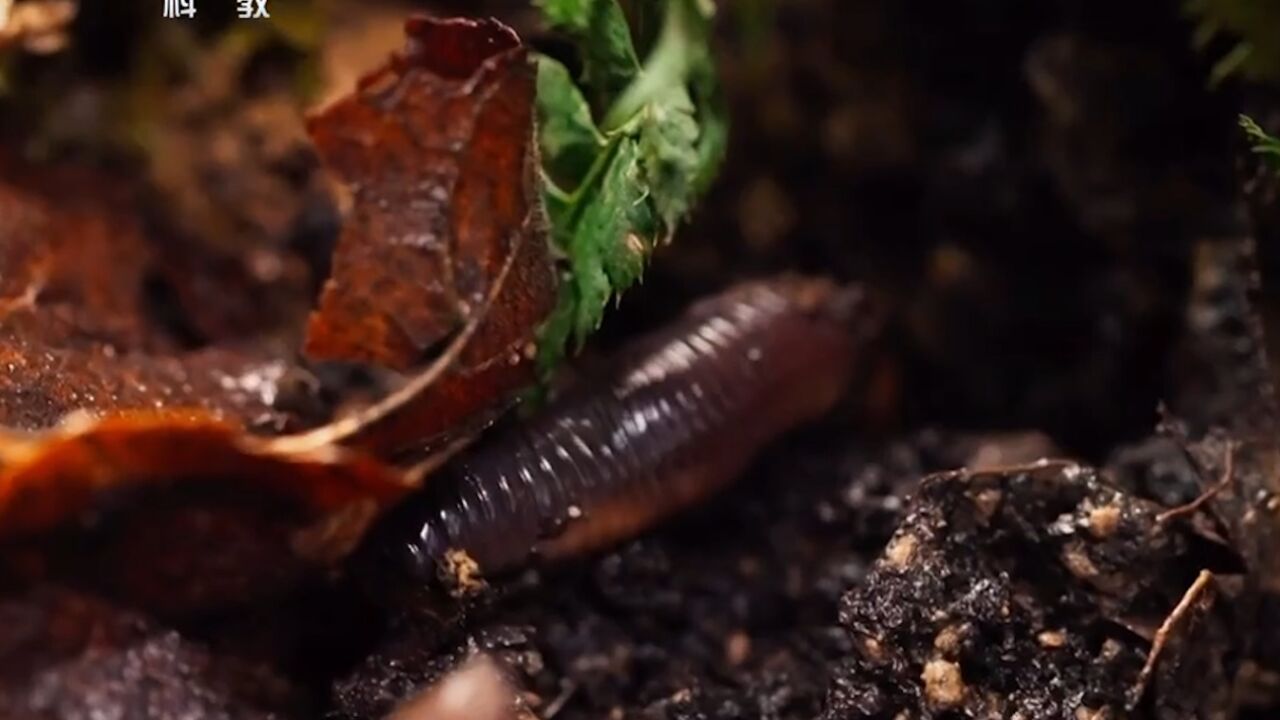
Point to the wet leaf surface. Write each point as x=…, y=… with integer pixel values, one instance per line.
x=77, y=332
x=437, y=150
x=48, y=478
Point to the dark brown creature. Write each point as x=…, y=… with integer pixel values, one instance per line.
x=678, y=415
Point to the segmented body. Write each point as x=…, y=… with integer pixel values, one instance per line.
x=678, y=415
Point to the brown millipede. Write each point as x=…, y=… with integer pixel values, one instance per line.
x=676, y=416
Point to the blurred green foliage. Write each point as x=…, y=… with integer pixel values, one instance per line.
x=1253, y=29
x=1262, y=142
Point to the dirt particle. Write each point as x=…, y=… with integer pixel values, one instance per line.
x=461, y=574
x=1103, y=521
x=901, y=551
x=1052, y=639
x=1111, y=649
x=1077, y=560
x=950, y=639
x=872, y=649
x=943, y=685
x=987, y=502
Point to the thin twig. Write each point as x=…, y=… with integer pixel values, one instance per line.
x=1183, y=607
x=1228, y=476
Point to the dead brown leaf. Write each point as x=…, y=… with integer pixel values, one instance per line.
x=437, y=149
x=76, y=332
x=47, y=478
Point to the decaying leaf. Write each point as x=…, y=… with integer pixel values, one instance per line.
x=98, y=400
x=46, y=478
x=443, y=268
x=60, y=236
x=437, y=149
x=76, y=332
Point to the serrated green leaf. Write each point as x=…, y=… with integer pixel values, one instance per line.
x=1262, y=142
x=606, y=248
x=668, y=146
x=664, y=134
x=599, y=27
x=606, y=251
x=567, y=136
x=624, y=217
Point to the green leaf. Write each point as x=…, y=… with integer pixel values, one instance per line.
x=677, y=162
x=622, y=218
x=599, y=27
x=571, y=16
x=616, y=191
x=567, y=135
x=668, y=144
x=606, y=250
x=1263, y=143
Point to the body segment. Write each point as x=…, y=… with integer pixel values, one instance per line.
x=677, y=415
